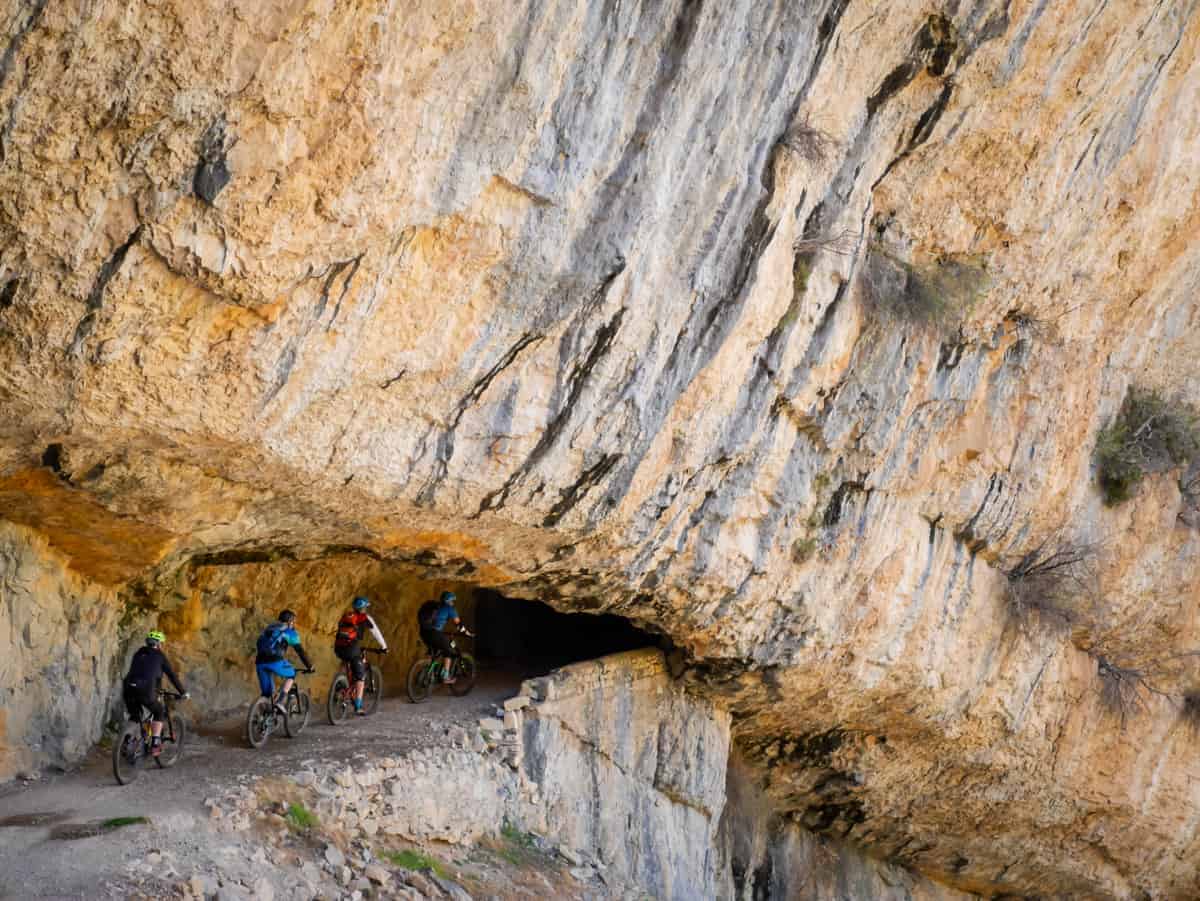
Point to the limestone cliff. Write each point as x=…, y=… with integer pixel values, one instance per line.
x=782, y=328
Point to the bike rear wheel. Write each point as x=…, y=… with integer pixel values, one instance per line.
x=373, y=690
x=298, y=705
x=420, y=681
x=464, y=675
x=258, y=722
x=127, y=753
x=337, y=708
x=172, y=741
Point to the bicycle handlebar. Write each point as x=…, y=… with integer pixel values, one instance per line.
x=374, y=651
x=173, y=695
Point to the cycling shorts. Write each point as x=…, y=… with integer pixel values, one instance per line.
x=136, y=696
x=353, y=655
x=280, y=668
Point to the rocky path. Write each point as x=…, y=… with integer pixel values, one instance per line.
x=42, y=857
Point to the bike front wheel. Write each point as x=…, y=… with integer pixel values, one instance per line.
x=337, y=708
x=464, y=676
x=298, y=705
x=258, y=722
x=172, y=741
x=127, y=753
x=420, y=681
x=373, y=690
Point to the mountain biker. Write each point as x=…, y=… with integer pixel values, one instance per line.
x=140, y=687
x=432, y=619
x=270, y=661
x=348, y=646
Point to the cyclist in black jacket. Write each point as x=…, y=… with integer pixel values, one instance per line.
x=140, y=688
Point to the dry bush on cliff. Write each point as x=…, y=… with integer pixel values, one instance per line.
x=1190, y=710
x=811, y=144
x=1121, y=687
x=1056, y=579
x=936, y=295
x=1149, y=434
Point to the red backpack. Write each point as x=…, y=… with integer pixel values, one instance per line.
x=348, y=631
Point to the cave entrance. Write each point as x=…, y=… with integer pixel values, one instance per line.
x=535, y=638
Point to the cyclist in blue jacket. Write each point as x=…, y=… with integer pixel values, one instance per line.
x=273, y=644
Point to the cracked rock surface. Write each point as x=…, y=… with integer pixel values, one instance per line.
x=781, y=328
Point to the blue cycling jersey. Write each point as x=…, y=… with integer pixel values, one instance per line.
x=444, y=614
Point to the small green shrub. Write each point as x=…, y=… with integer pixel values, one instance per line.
x=803, y=549
x=415, y=860
x=300, y=817
x=1149, y=434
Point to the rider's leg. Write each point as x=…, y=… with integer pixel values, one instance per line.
x=157, y=712
x=446, y=668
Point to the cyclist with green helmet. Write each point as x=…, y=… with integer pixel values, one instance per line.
x=140, y=688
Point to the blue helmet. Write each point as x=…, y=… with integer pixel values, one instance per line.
x=448, y=597
x=361, y=603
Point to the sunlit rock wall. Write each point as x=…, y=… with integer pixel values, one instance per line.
x=607, y=305
x=59, y=654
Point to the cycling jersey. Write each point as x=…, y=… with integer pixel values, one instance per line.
x=147, y=668
x=350, y=631
x=445, y=613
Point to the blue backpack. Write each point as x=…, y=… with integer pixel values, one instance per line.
x=272, y=638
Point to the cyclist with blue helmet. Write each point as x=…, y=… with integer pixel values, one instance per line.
x=271, y=661
x=432, y=618
x=348, y=645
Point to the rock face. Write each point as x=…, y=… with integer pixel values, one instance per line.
x=643, y=801
x=58, y=657
x=783, y=328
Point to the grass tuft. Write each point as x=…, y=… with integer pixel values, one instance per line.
x=300, y=817
x=519, y=848
x=118, y=822
x=415, y=860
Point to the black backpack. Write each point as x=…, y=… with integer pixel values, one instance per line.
x=427, y=614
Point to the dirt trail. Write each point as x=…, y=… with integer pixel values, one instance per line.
x=35, y=864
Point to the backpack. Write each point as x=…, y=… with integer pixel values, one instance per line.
x=427, y=614
x=347, y=633
x=271, y=639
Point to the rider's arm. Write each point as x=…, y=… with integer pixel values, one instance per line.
x=303, y=657
x=170, y=674
x=376, y=634
x=292, y=637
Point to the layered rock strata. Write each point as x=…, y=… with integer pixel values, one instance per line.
x=781, y=328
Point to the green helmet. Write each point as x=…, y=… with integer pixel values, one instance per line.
x=155, y=637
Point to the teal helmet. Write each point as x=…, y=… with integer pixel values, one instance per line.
x=361, y=604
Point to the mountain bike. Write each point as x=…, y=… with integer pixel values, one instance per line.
x=426, y=673
x=341, y=690
x=263, y=719
x=132, y=746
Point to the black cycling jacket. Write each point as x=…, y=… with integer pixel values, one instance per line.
x=148, y=667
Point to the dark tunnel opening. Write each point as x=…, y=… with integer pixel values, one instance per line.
x=536, y=638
